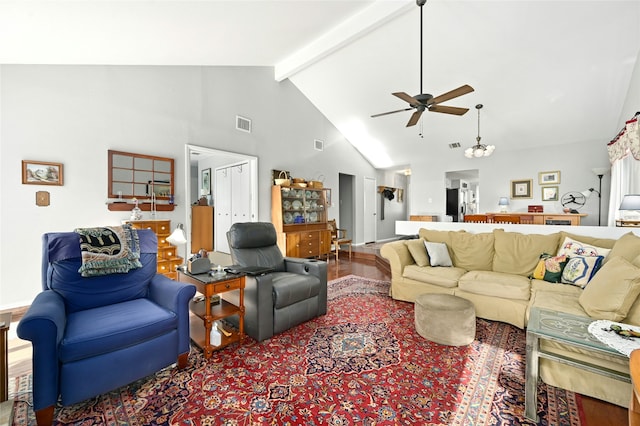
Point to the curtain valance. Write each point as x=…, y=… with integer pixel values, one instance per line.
x=627, y=140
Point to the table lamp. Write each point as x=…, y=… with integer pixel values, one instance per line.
x=503, y=203
x=178, y=238
x=631, y=202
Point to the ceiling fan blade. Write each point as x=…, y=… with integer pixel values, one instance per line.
x=462, y=90
x=409, y=99
x=391, y=112
x=414, y=118
x=448, y=109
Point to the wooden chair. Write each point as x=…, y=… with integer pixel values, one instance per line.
x=476, y=218
x=634, y=404
x=339, y=238
x=506, y=218
x=526, y=218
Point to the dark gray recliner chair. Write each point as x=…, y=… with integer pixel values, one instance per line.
x=295, y=292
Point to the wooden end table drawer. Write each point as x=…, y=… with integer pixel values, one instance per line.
x=227, y=286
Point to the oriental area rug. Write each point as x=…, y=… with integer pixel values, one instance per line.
x=362, y=363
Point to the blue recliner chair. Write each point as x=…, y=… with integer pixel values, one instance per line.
x=295, y=292
x=92, y=335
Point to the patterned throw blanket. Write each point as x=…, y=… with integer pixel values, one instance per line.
x=108, y=250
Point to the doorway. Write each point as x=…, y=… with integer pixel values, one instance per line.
x=199, y=158
x=369, y=214
x=346, y=204
x=462, y=193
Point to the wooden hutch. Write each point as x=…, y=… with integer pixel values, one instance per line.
x=300, y=218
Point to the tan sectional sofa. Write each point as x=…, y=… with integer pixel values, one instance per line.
x=494, y=270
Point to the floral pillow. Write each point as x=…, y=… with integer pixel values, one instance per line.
x=550, y=268
x=580, y=269
x=572, y=248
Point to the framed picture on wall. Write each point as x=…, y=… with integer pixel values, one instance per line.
x=548, y=178
x=41, y=173
x=549, y=193
x=521, y=188
x=205, y=189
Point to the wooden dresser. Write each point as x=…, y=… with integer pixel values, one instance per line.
x=168, y=259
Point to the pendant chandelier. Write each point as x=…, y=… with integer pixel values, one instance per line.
x=479, y=150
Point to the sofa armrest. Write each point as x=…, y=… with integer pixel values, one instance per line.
x=313, y=267
x=174, y=296
x=398, y=255
x=44, y=325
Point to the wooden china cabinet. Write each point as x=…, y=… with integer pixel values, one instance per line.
x=300, y=218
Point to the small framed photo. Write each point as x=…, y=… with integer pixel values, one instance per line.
x=549, y=193
x=548, y=178
x=521, y=188
x=41, y=173
x=206, y=182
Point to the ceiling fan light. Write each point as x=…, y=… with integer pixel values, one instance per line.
x=489, y=150
x=468, y=152
x=478, y=151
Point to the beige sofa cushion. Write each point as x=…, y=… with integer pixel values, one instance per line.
x=436, y=236
x=489, y=283
x=627, y=246
x=540, y=285
x=473, y=252
x=418, y=251
x=610, y=294
x=518, y=254
x=438, y=275
x=562, y=302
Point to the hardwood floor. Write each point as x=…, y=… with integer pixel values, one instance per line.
x=364, y=263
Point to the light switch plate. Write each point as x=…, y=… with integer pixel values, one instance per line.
x=42, y=198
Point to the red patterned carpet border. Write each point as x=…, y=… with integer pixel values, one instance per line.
x=362, y=363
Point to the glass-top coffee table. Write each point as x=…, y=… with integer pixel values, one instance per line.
x=570, y=330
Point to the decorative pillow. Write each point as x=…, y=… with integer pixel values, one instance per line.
x=572, y=248
x=418, y=251
x=580, y=269
x=550, y=268
x=627, y=246
x=109, y=250
x=438, y=254
x=612, y=291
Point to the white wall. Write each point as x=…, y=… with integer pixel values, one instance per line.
x=74, y=114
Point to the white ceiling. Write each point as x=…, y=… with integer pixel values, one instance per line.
x=547, y=72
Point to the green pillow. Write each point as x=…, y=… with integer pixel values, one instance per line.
x=550, y=268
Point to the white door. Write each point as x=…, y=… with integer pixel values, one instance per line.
x=222, y=200
x=370, y=217
x=241, y=193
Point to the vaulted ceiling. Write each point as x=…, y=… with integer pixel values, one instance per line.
x=547, y=72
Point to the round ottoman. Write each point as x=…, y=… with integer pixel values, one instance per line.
x=445, y=319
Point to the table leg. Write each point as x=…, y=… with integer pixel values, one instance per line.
x=531, y=378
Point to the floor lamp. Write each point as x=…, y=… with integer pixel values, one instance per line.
x=600, y=173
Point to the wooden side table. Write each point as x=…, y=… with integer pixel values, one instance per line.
x=5, y=321
x=204, y=313
x=6, y=406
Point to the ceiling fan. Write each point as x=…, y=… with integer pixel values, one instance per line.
x=425, y=101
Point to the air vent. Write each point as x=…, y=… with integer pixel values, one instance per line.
x=243, y=124
x=454, y=145
x=318, y=145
